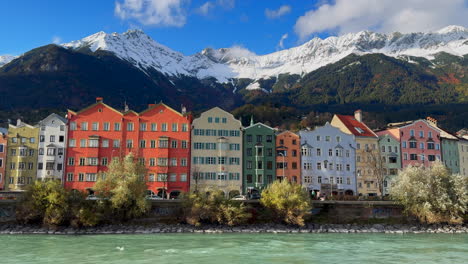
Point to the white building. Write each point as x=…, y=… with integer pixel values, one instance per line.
x=328, y=161
x=51, y=149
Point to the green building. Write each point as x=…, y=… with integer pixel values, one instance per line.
x=391, y=161
x=450, y=155
x=259, y=167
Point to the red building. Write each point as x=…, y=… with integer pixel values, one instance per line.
x=159, y=138
x=3, y=153
x=288, y=156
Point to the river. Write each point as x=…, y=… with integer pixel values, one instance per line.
x=234, y=248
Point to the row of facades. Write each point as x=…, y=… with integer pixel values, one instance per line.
x=214, y=151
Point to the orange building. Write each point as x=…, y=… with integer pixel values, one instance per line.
x=3, y=153
x=158, y=137
x=288, y=159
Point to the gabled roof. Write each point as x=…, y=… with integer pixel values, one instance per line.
x=287, y=131
x=160, y=104
x=356, y=128
x=93, y=105
x=52, y=116
x=261, y=125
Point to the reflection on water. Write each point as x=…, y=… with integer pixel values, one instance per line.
x=235, y=248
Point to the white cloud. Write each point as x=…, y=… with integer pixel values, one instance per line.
x=205, y=8
x=346, y=16
x=153, y=12
x=281, y=42
x=56, y=40
x=272, y=14
x=210, y=5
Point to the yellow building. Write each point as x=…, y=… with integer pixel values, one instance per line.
x=367, y=152
x=22, y=156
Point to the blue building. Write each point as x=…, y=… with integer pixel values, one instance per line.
x=328, y=161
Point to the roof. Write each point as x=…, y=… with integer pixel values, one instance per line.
x=357, y=128
x=3, y=130
x=54, y=115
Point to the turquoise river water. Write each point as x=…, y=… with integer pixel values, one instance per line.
x=235, y=248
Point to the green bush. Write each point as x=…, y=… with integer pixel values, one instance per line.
x=213, y=208
x=289, y=202
x=433, y=195
x=44, y=202
x=122, y=189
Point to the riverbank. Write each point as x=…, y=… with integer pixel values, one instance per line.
x=259, y=228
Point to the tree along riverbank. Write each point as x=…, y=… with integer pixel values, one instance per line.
x=256, y=228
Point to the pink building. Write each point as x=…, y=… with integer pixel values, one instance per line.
x=419, y=142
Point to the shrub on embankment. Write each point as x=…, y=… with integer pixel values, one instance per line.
x=433, y=195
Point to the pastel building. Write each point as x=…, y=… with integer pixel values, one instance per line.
x=22, y=149
x=449, y=147
x=419, y=142
x=366, y=151
x=288, y=156
x=158, y=137
x=3, y=156
x=390, y=159
x=259, y=157
x=52, y=147
x=463, y=154
x=328, y=158
x=216, y=153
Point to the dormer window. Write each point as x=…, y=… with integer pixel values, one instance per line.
x=358, y=129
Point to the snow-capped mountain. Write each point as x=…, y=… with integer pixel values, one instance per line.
x=224, y=64
x=4, y=59
x=138, y=48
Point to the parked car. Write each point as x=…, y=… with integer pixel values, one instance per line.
x=153, y=197
x=239, y=198
x=93, y=197
x=255, y=196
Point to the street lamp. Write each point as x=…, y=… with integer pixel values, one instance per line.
x=282, y=154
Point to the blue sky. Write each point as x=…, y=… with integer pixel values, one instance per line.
x=189, y=26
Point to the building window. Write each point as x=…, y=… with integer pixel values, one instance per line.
x=183, y=177
x=173, y=143
x=69, y=177
x=93, y=143
x=413, y=157
x=91, y=177
x=154, y=127
x=249, y=138
x=129, y=143
x=164, y=127
x=174, y=127
x=143, y=143
x=95, y=126
x=130, y=126
x=269, y=138
x=162, y=162
x=142, y=126
x=84, y=126
x=173, y=161
x=72, y=126
x=163, y=142
x=116, y=126
x=319, y=165
x=183, y=162
x=104, y=161
x=80, y=177
x=259, y=138
x=319, y=152
x=50, y=151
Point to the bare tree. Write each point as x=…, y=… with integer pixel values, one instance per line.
x=377, y=165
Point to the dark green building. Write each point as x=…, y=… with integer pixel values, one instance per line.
x=259, y=167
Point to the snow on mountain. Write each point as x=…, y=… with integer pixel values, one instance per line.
x=227, y=63
x=4, y=59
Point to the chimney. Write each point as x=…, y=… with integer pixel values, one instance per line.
x=432, y=121
x=126, y=108
x=358, y=115
x=99, y=99
x=184, y=109
x=18, y=122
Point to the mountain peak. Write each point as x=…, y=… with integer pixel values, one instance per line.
x=452, y=29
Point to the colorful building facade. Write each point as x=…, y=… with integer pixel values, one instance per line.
x=158, y=137
x=3, y=156
x=22, y=150
x=390, y=153
x=463, y=155
x=449, y=147
x=366, y=151
x=52, y=147
x=259, y=167
x=328, y=161
x=217, y=153
x=288, y=156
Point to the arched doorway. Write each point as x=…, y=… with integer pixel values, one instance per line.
x=349, y=192
x=233, y=193
x=174, y=194
x=149, y=192
x=162, y=193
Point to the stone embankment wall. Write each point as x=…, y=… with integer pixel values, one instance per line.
x=325, y=211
